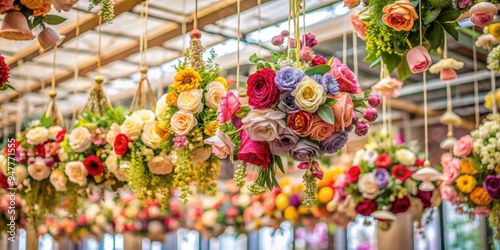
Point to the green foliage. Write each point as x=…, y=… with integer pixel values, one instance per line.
x=210, y=71
x=326, y=113
x=318, y=70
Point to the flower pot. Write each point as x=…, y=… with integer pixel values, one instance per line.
x=15, y=27
x=49, y=38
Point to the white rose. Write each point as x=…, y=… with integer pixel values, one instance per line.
x=358, y=157
x=406, y=157
x=112, y=165
x=213, y=97
x=114, y=130
x=222, y=146
x=208, y=218
x=79, y=139
x=20, y=174
x=161, y=107
x=37, y=135
x=132, y=127
x=91, y=213
x=76, y=172
x=145, y=115
x=370, y=157
x=160, y=165
x=58, y=180
x=182, y=122
x=368, y=186
x=38, y=170
x=264, y=125
x=149, y=135
x=53, y=131
x=62, y=155
x=4, y=163
x=190, y=101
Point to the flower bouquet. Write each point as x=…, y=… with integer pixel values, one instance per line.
x=470, y=175
x=187, y=115
x=382, y=182
x=296, y=105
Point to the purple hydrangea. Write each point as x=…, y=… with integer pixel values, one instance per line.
x=287, y=78
x=381, y=177
x=287, y=103
x=334, y=143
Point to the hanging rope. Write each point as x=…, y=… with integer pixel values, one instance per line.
x=52, y=108
x=259, y=26
x=238, y=39
x=99, y=47
x=424, y=81
x=76, y=69
x=195, y=22
x=476, y=84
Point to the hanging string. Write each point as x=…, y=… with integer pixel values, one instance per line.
x=476, y=84
x=53, y=83
x=289, y=30
x=355, y=53
x=99, y=47
x=304, y=20
x=424, y=80
x=493, y=90
x=21, y=106
x=296, y=18
x=76, y=70
x=259, y=27
x=143, y=43
x=195, y=23
x=238, y=39
x=344, y=46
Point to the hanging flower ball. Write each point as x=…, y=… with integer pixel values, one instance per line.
x=446, y=67
x=195, y=33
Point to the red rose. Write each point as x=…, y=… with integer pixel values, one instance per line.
x=6, y=149
x=400, y=205
x=300, y=123
x=425, y=197
x=4, y=70
x=39, y=150
x=353, y=174
x=401, y=172
x=261, y=90
x=254, y=152
x=383, y=161
x=3, y=181
x=60, y=136
x=318, y=60
x=419, y=162
x=93, y=165
x=121, y=144
x=366, y=207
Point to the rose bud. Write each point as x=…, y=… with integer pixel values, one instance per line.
x=361, y=128
x=303, y=165
x=482, y=14
x=374, y=101
x=277, y=40
x=418, y=59
x=318, y=173
x=370, y=114
x=306, y=54
x=285, y=33
x=292, y=43
x=318, y=60
x=310, y=40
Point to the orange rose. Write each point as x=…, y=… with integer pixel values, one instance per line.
x=300, y=123
x=43, y=10
x=400, y=15
x=343, y=110
x=320, y=129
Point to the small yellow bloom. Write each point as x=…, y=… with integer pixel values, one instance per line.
x=186, y=79
x=171, y=98
x=480, y=197
x=223, y=81
x=494, y=29
x=466, y=183
x=488, y=99
x=162, y=129
x=466, y=167
x=211, y=127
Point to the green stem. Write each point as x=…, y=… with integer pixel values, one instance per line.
x=409, y=43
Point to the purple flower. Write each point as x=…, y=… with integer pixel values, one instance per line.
x=462, y=4
x=318, y=173
x=285, y=143
x=21, y=155
x=381, y=177
x=370, y=114
x=295, y=201
x=334, y=143
x=310, y=40
x=361, y=128
x=374, y=101
x=285, y=33
x=49, y=161
x=287, y=103
x=277, y=40
x=287, y=78
x=492, y=186
x=304, y=151
x=329, y=83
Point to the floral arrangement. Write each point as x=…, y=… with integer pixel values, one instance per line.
x=89, y=156
x=36, y=11
x=4, y=75
x=392, y=33
x=187, y=116
x=493, y=60
x=382, y=182
x=107, y=10
x=297, y=105
x=490, y=98
x=470, y=175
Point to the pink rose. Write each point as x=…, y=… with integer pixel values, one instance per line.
x=6, y=5
x=345, y=77
x=358, y=25
x=229, y=105
x=445, y=158
x=222, y=146
x=351, y=3
x=448, y=193
x=463, y=147
x=343, y=110
x=341, y=181
x=481, y=14
x=418, y=59
x=482, y=211
x=232, y=212
x=451, y=171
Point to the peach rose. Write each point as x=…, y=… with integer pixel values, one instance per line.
x=482, y=14
x=343, y=110
x=463, y=147
x=320, y=129
x=451, y=171
x=400, y=15
x=351, y=3
x=182, y=122
x=388, y=87
x=358, y=25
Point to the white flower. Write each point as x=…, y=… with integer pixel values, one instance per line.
x=79, y=139
x=58, y=180
x=406, y=157
x=20, y=174
x=161, y=107
x=358, y=157
x=4, y=163
x=91, y=213
x=370, y=157
x=264, y=125
x=160, y=165
x=368, y=186
x=485, y=41
x=53, y=131
x=448, y=63
x=100, y=220
x=114, y=130
x=62, y=155
x=112, y=164
x=37, y=135
x=76, y=172
x=213, y=97
x=222, y=146
x=190, y=101
x=145, y=115
x=132, y=127
x=38, y=170
x=182, y=122
x=149, y=135
x=124, y=164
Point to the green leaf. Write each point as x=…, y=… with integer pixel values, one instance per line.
x=276, y=57
x=391, y=61
x=45, y=121
x=375, y=63
x=318, y=70
x=432, y=16
x=53, y=19
x=448, y=15
x=277, y=159
x=330, y=101
x=403, y=70
x=326, y=113
x=254, y=58
x=451, y=28
x=367, y=93
x=435, y=31
x=330, y=61
x=268, y=65
x=7, y=86
x=370, y=58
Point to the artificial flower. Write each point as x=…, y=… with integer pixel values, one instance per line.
x=53, y=131
x=161, y=165
x=262, y=90
x=222, y=146
x=370, y=156
x=287, y=102
x=320, y=130
x=370, y=114
x=345, y=77
x=132, y=127
x=489, y=99
x=418, y=59
x=305, y=150
x=383, y=161
x=481, y=14
x=388, y=86
x=318, y=60
x=451, y=171
x=182, y=122
x=401, y=172
x=351, y=3
x=400, y=205
x=446, y=67
x=406, y=157
x=190, y=101
x=400, y=15
x=20, y=174
x=463, y=147
x=58, y=180
x=277, y=40
x=309, y=95
x=186, y=79
x=358, y=25
x=491, y=185
x=229, y=105
x=425, y=197
x=37, y=135
x=111, y=164
x=149, y=135
x=467, y=167
x=264, y=125
x=466, y=183
x=121, y=144
x=352, y=174
x=93, y=165
x=113, y=131
x=366, y=207
x=306, y=54
x=334, y=142
x=493, y=60
x=171, y=98
x=4, y=69
x=286, y=141
x=287, y=78
x=214, y=94
x=480, y=197
x=448, y=193
x=300, y=123
x=381, y=177
x=64, y=5
x=368, y=186
x=343, y=110
x=254, y=152
x=4, y=7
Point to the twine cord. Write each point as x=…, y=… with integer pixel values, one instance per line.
x=238, y=39
x=476, y=84
x=99, y=47
x=424, y=81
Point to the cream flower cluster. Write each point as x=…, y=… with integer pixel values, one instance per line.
x=486, y=141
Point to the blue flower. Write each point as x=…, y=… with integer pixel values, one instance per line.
x=329, y=83
x=287, y=78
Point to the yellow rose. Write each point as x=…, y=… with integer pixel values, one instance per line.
x=182, y=122
x=213, y=97
x=494, y=29
x=58, y=180
x=400, y=15
x=211, y=127
x=190, y=101
x=37, y=135
x=145, y=115
x=171, y=98
x=223, y=81
x=162, y=129
x=186, y=79
x=150, y=137
x=132, y=127
x=488, y=99
x=309, y=95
